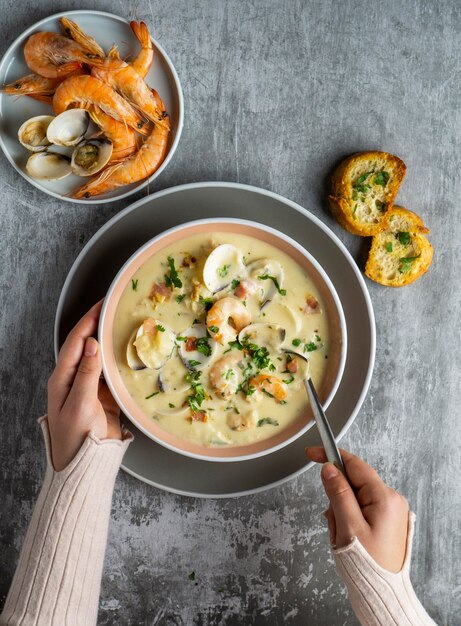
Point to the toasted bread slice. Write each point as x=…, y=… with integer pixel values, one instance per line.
x=400, y=253
x=363, y=189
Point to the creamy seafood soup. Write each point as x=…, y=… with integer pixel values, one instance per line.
x=200, y=334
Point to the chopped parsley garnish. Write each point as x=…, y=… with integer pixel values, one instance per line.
x=271, y=395
x=198, y=394
x=152, y=395
x=160, y=328
x=214, y=329
x=362, y=188
x=228, y=374
x=193, y=363
x=406, y=262
x=318, y=338
x=134, y=284
x=223, y=271
x=192, y=576
x=172, y=277
x=180, y=298
x=362, y=179
x=381, y=206
x=354, y=209
x=207, y=302
x=244, y=260
x=282, y=292
x=310, y=347
x=203, y=346
x=181, y=338
x=389, y=247
x=355, y=195
x=196, y=321
x=404, y=238
x=259, y=355
x=81, y=238
x=235, y=344
x=267, y=420
x=382, y=178
x=296, y=342
x=287, y=381
x=172, y=406
x=235, y=283
x=392, y=217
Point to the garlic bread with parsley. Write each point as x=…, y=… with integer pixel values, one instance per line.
x=400, y=253
x=364, y=188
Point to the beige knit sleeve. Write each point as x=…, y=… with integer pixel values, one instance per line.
x=57, y=580
x=379, y=597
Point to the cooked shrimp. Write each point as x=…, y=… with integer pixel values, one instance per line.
x=123, y=137
x=241, y=421
x=225, y=375
x=226, y=318
x=271, y=385
x=74, y=31
x=32, y=84
x=90, y=90
x=136, y=167
x=52, y=55
x=143, y=60
x=127, y=82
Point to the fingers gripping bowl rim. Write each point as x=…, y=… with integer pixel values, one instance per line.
x=106, y=27
x=337, y=329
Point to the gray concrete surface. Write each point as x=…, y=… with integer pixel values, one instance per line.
x=276, y=93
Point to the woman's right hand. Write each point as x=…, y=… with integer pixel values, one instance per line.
x=373, y=512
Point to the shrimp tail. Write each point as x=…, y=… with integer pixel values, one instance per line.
x=141, y=32
x=73, y=30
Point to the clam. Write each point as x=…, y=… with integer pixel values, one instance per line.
x=269, y=276
x=172, y=377
x=68, y=128
x=154, y=343
x=32, y=133
x=271, y=336
x=48, y=166
x=195, y=347
x=132, y=359
x=223, y=265
x=90, y=156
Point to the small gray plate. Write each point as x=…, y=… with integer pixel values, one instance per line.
x=111, y=246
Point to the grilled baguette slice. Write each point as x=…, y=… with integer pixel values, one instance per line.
x=364, y=188
x=400, y=253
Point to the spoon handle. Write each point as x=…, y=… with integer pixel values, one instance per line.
x=328, y=440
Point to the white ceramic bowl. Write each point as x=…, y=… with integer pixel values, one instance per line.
x=106, y=29
x=337, y=333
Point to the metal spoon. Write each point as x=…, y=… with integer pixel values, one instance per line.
x=331, y=449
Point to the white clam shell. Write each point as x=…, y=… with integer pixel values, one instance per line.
x=68, y=128
x=32, y=133
x=271, y=336
x=48, y=166
x=222, y=266
x=153, y=345
x=194, y=359
x=132, y=359
x=90, y=156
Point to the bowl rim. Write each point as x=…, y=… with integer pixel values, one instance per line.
x=237, y=222
x=179, y=93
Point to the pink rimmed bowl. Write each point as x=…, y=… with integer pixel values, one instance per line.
x=336, y=327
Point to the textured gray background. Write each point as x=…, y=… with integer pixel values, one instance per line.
x=276, y=93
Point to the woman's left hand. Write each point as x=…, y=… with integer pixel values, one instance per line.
x=78, y=400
